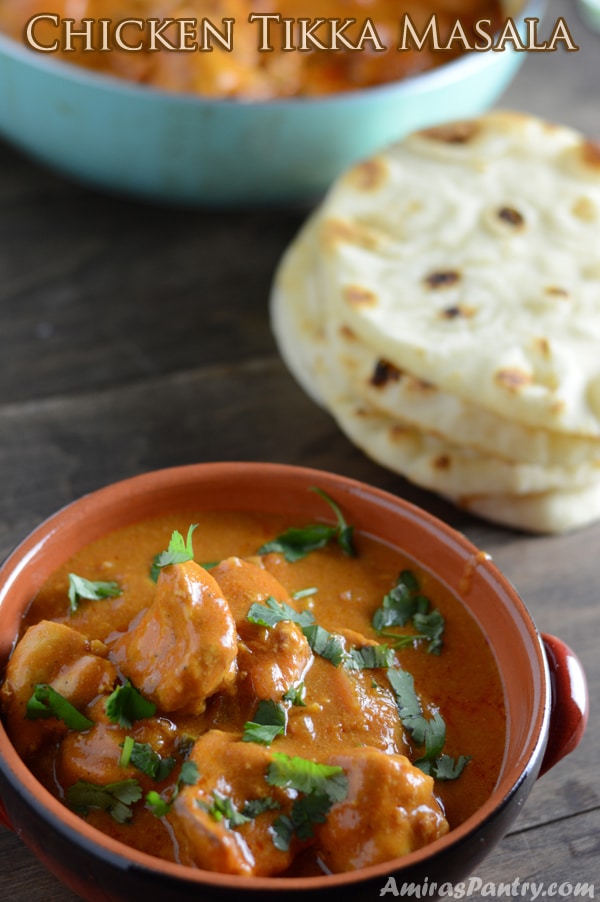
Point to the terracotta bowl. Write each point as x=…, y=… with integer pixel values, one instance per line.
x=545, y=686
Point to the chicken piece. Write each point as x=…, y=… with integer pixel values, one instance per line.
x=245, y=583
x=232, y=773
x=57, y=655
x=389, y=811
x=358, y=704
x=94, y=756
x=182, y=649
x=269, y=660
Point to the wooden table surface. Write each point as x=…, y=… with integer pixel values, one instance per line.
x=133, y=337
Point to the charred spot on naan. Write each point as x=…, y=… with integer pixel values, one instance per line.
x=458, y=311
x=440, y=279
x=384, y=372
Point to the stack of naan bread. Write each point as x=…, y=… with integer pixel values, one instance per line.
x=443, y=303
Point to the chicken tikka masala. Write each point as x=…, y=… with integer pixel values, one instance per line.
x=244, y=694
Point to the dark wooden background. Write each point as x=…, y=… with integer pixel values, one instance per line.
x=134, y=337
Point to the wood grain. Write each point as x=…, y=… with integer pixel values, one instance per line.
x=134, y=337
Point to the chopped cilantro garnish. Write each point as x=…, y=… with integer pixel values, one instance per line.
x=179, y=551
x=188, y=775
x=325, y=644
x=344, y=533
x=296, y=542
x=126, y=705
x=273, y=612
x=308, y=810
x=430, y=626
x=369, y=657
x=307, y=776
x=222, y=808
x=432, y=732
x=322, y=642
x=404, y=604
x=304, y=593
x=295, y=695
x=444, y=767
x=116, y=798
x=146, y=759
x=94, y=590
x=47, y=702
x=269, y=721
x=320, y=785
x=428, y=732
x=128, y=744
x=283, y=832
x=254, y=807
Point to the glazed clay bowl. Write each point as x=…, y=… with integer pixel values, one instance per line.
x=180, y=148
x=545, y=688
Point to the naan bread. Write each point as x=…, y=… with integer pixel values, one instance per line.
x=485, y=280
x=416, y=374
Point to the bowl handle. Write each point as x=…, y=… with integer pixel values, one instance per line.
x=569, y=705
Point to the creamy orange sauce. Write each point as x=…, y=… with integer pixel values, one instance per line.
x=245, y=70
x=350, y=718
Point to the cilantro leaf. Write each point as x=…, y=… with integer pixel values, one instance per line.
x=142, y=756
x=344, y=533
x=283, y=832
x=428, y=732
x=307, y=776
x=430, y=626
x=295, y=695
x=94, y=590
x=306, y=811
x=179, y=550
x=403, y=684
x=369, y=657
x=188, y=776
x=304, y=593
x=47, y=702
x=405, y=604
x=254, y=807
x=116, y=798
x=320, y=785
x=269, y=721
x=432, y=732
x=273, y=612
x=126, y=705
x=325, y=644
x=296, y=542
x=222, y=808
x=444, y=767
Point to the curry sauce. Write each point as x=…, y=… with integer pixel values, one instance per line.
x=189, y=638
